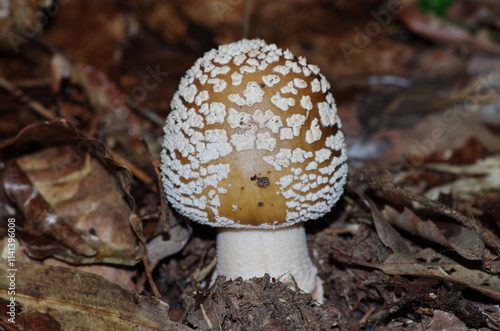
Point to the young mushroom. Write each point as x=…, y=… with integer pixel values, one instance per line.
x=253, y=146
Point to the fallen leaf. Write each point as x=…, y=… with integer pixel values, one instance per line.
x=427, y=121
x=118, y=124
x=429, y=263
x=464, y=241
x=42, y=220
x=475, y=179
x=442, y=320
x=383, y=182
x=167, y=244
x=70, y=192
x=387, y=234
x=437, y=265
x=88, y=302
x=441, y=31
x=25, y=320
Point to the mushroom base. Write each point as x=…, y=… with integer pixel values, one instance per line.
x=281, y=253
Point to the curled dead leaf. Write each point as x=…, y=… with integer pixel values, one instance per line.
x=73, y=196
x=463, y=240
x=387, y=234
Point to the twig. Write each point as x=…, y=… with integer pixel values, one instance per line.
x=205, y=317
x=147, y=270
x=141, y=175
x=246, y=19
x=36, y=106
x=149, y=115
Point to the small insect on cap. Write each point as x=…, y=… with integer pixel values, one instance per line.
x=253, y=140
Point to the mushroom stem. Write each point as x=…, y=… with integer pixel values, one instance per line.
x=281, y=253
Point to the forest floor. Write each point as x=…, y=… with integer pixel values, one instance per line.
x=85, y=87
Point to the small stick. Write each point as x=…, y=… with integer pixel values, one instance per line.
x=36, y=106
x=246, y=19
x=141, y=175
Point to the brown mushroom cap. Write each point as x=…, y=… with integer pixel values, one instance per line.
x=253, y=140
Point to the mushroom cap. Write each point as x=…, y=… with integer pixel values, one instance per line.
x=253, y=140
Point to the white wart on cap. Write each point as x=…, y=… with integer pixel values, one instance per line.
x=253, y=140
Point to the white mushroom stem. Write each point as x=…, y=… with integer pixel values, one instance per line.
x=281, y=253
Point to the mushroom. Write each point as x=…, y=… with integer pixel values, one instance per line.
x=253, y=147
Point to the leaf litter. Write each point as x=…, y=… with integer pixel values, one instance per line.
x=414, y=243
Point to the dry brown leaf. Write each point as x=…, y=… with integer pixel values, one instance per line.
x=427, y=121
x=438, y=30
x=171, y=233
x=440, y=266
x=88, y=302
x=474, y=180
x=464, y=241
x=71, y=193
x=25, y=320
x=42, y=221
x=383, y=183
x=164, y=244
x=387, y=234
x=442, y=320
x=429, y=263
x=118, y=123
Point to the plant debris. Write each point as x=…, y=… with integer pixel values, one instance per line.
x=259, y=304
x=85, y=87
